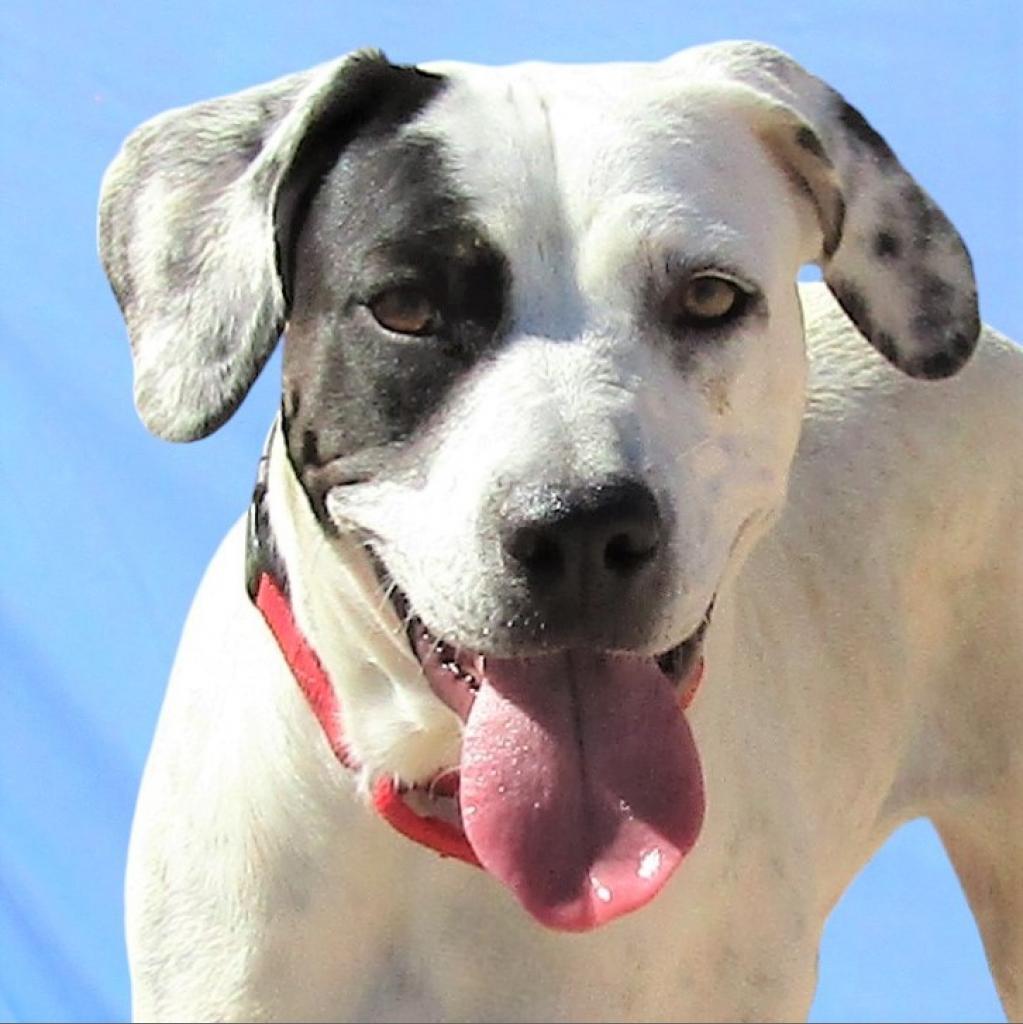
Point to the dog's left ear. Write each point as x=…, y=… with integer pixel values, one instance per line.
x=892, y=259
x=197, y=215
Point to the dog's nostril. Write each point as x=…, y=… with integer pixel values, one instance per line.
x=536, y=550
x=577, y=541
x=627, y=551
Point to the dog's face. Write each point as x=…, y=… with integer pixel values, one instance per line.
x=547, y=360
x=544, y=360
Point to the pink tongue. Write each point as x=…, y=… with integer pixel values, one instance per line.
x=581, y=787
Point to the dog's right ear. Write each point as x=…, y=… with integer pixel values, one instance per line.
x=194, y=217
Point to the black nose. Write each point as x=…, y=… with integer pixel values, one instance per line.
x=581, y=548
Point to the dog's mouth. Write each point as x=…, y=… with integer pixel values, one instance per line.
x=579, y=785
x=454, y=673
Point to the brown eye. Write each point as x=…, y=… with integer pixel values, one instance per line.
x=404, y=310
x=705, y=300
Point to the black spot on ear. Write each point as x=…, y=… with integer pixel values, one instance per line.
x=310, y=448
x=833, y=238
x=964, y=344
x=937, y=365
x=851, y=299
x=806, y=138
x=831, y=220
x=858, y=128
x=887, y=245
x=936, y=292
x=885, y=344
x=826, y=198
x=934, y=301
x=949, y=359
x=929, y=222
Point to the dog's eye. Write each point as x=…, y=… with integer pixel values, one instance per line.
x=405, y=310
x=705, y=300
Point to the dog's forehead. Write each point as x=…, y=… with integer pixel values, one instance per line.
x=555, y=156
x=581, y=130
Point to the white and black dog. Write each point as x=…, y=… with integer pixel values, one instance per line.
x=588, y=551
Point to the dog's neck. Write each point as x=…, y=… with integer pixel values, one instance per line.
x=269, y=588
x=393, y=723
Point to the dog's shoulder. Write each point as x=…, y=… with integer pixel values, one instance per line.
x=856, y=401
x=890, y=469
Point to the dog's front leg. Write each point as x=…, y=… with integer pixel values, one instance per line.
x=247, y=894
x=983, y=842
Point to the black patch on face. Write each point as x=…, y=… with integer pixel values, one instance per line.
x=887, y=246
x=385, y=215
x=859, y=129
x=378, y=98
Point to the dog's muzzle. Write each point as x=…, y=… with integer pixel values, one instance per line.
x=578, y=784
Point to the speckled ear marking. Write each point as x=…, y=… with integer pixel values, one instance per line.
x=893, y=260
x=861, y=133
x=887, y=245
x=194, y=222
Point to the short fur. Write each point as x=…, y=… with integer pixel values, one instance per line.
x=854, y=528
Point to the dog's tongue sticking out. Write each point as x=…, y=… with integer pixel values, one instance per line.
x=581, y=787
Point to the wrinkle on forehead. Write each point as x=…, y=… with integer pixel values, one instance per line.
x=500, y=142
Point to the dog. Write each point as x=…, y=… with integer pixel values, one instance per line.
x=606, y=597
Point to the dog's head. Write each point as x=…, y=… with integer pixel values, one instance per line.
x=544, y=359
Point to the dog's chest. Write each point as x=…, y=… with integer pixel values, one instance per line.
x=401, y=934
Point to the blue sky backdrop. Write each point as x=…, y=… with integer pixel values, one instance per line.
x=106, y=530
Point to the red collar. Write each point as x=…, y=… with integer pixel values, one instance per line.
x=388, y=794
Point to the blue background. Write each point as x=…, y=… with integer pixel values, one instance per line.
x=105, y=530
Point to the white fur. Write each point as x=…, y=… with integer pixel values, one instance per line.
x=862, y=664
x=863, y=670
x=572, y=395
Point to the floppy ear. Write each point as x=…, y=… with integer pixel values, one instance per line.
x=194, y=222
x=892, y=259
